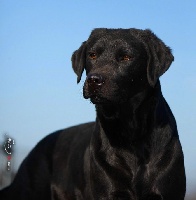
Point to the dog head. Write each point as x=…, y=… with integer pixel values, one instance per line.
x=120, y=63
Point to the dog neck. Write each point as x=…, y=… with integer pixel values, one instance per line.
x=127, y=123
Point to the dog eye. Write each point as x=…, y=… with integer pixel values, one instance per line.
x=92, y=56
x=126, y=58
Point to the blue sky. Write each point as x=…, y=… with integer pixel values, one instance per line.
x=38, y=90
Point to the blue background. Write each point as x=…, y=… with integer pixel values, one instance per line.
x=38, y=90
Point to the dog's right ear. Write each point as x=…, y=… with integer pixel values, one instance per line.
x=79, y=61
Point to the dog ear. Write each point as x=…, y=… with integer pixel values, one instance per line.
x=160, y=57
x=79, y=61
x=79, y=56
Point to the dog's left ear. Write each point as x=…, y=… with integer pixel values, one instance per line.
x=160, y=57
x=79, y=60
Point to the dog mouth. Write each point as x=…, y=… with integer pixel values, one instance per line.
x=97, y=99
x=100, y=95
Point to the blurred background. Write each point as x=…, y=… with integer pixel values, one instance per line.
x=38, y=89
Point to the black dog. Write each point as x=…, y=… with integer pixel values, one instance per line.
x=132, y=151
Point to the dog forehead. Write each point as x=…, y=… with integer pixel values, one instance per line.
x=111, y=36
x=117, y=31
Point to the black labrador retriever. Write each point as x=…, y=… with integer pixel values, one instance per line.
x=132, y=151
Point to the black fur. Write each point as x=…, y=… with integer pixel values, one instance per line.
x=132, y=151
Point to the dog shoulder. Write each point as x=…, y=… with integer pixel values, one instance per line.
x=74, y=137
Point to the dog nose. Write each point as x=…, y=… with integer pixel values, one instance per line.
x=95, y=80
